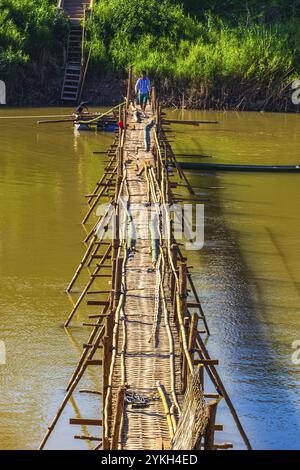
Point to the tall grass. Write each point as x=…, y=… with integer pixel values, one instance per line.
x=207, y=46
x=204, y=52
x=160, y=37
x=30, y=31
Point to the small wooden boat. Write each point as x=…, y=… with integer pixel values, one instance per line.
x=108, y=125
x=241, y=168
x=85, y=120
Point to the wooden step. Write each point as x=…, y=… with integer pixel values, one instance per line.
x=72, y=77
x=67, y=98
x=73, y=71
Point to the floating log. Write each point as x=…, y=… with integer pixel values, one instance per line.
x=242, y=168
x=191, y=155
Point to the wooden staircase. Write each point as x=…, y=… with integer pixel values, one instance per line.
x=75, y=9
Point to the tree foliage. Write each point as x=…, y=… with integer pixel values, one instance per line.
x=30, y=30
x=226, y=40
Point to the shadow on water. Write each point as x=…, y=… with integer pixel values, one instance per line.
x=251, y=363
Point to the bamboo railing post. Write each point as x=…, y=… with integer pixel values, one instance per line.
x=166, y=408
x=182, y=285
x=209, y=435
x=174, y=253
x=106, y=367
x=184, y=372
x=118, y=281
x=129, y=86
x=110, y=324
x=153, y=100
x=201, y=375
x=193, y=334
x=116, y=433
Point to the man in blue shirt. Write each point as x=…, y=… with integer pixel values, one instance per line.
x=142, y=89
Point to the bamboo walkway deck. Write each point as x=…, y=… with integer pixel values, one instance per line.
x=154, y=362
x=142, y=329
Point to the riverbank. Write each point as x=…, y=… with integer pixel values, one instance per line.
x=107, y=90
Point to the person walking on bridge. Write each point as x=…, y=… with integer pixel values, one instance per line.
x=142, y=89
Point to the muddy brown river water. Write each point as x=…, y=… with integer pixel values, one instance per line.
x=247, y=274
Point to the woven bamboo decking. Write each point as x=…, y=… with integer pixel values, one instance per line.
x=142, y=329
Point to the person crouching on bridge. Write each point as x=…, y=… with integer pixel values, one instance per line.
x=142, y=89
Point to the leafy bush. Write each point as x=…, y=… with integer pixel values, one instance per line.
x=29, y=30
x=172, y=46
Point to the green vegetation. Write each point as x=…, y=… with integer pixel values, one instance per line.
x=224, y=51
x=32, y=33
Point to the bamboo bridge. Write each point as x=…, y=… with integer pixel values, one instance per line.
x=160, y=387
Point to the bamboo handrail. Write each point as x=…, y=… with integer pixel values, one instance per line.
x=166, y=409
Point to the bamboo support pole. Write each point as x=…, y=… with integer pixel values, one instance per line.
x=209, y=435
x=88, y=285
x=216, y=380
x=96, y=199
x=193, y=334
x=71, y=390
x=106, y=362
x=81, y=265
x=184, y=371
x=129, y=87
x=183, y=336
x=166, y=409
x=85, y=351
x=117, y=430
x=112, y=326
